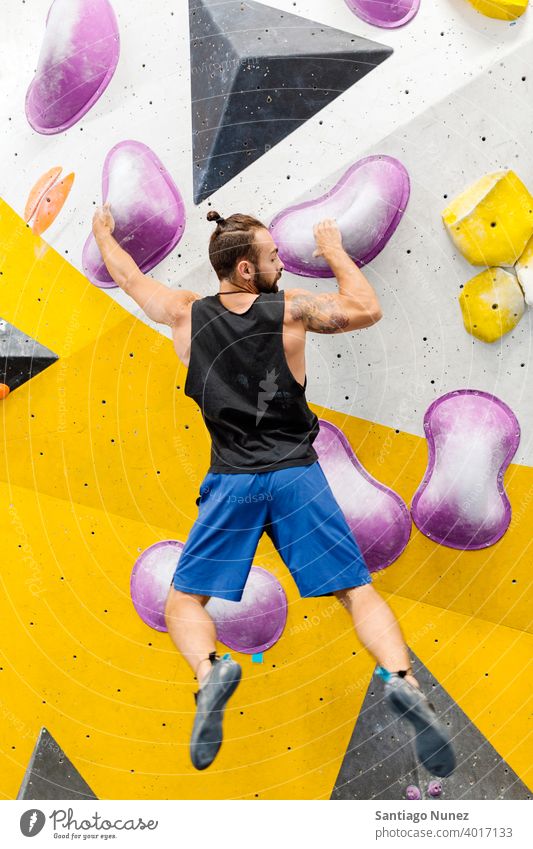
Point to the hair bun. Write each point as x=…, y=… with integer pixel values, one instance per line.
x=215, y=216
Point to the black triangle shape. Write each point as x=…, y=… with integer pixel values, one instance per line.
x=21, y=357
x=257, y=74
x=380, y=761
x=51, y=775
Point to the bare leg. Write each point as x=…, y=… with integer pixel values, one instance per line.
x=377, y=628
x=192, y=630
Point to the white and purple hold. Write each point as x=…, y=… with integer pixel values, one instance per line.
x=368, y=203
x=461, y=502
x=78, y=57
x=251, y=625
x=147, y=208
x=377, y=516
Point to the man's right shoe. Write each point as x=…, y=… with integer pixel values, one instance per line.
x=433, y=744
x=211, y=700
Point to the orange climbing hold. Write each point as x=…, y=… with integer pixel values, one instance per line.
x=40, y=188
x=4, y=391
x=46, y=199
x=52, y=204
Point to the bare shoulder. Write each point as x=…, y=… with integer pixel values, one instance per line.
x=319, y=312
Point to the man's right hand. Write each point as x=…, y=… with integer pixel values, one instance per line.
x=103, y=222
x=328, y=238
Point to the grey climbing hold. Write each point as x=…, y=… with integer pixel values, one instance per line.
x=257, y=74
x=481, y=773
x=51, y=775
x=21, y=357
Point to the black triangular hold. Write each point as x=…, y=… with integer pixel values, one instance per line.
x=257, y=74
x=50, y=774
x=21, y=357
x=380, y=761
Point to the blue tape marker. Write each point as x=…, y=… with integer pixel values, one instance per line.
x=383, y=673
x=257, y=658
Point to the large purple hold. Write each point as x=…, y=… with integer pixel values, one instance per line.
x=250, y=625
x=256, y=622
x=146, y=205
x=377, y=516
x=472, y=437
x=368, y=203
x=150, y=581
x=78, y=57
x=384, y=13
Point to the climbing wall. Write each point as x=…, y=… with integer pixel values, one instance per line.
x=103, y=455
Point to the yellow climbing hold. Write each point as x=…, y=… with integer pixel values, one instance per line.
x=524, y=272
x=491, y=222
x=492, y=304
x=505, y=10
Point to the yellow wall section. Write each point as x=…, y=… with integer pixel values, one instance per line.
x=71, y=638
x=69, y=549
x=485, y=668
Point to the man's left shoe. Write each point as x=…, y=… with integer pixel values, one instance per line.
x=211, y=700
x=433, y=744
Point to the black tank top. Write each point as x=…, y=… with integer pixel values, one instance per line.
x=253, y=407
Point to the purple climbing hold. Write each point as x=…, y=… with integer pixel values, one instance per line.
x=368, y=203
x=413, y=792
x=146, y=205
x=384, y=13
x=78, y=57
x=150, y=581
x=377, y=516
x=435, y=789
x=253, y=624
x=461, y=502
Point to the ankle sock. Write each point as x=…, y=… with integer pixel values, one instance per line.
x=213, y=657
x=386, y=675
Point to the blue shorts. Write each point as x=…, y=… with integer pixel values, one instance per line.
x=295, y=507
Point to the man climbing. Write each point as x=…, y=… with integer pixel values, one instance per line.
x=245, y=352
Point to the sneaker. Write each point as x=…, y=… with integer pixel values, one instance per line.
x=433, y=744
x=211, y=699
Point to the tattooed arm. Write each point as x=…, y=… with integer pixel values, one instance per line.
x=355, y=306
x=329, y=312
